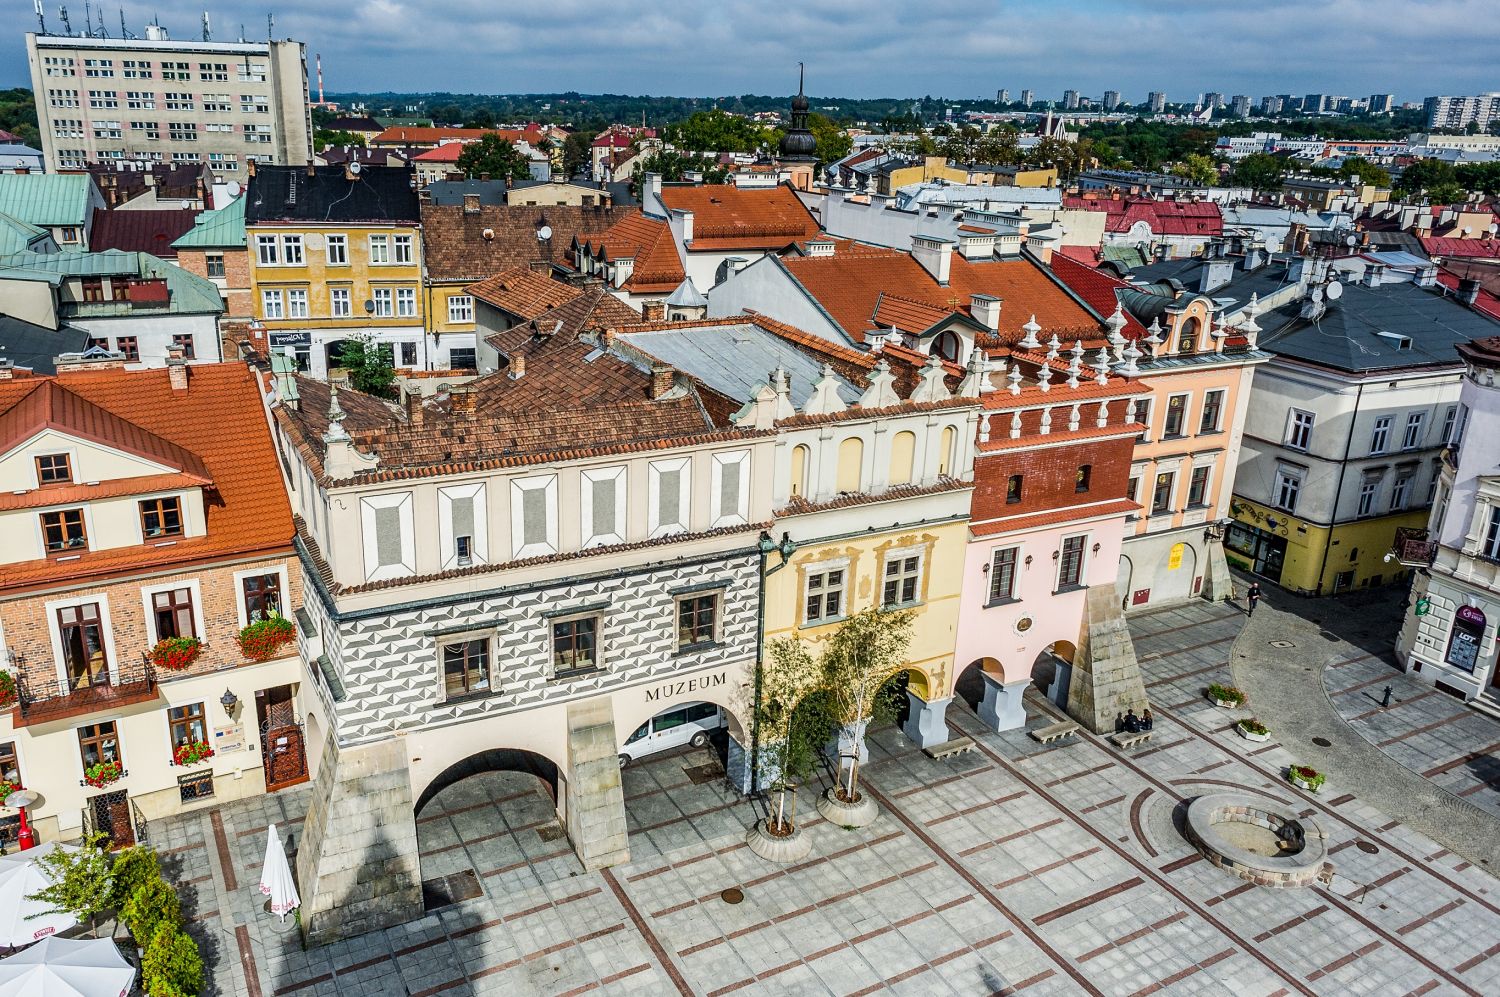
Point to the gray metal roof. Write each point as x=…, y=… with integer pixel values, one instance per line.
x=1347, y=336
x=733, y=359
x=687, y=295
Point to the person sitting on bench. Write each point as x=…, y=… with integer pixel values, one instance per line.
x=1132, y=723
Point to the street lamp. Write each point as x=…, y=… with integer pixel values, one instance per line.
x=229, y=701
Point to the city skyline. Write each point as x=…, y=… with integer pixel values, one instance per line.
x=850, y=50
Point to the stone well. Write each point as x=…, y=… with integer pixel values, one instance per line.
x=1258, y=840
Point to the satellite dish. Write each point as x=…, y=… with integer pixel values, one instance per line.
x=354, y=167
x=1316, y=294
x=1335, y=291
x=369, y=306
x=544, y=233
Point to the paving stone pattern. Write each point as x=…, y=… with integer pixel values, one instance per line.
x=1018, y=868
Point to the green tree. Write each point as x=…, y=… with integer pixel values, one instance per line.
x=1197, y=168
x=494, y=156
x=1366, y=172
x=446, y=114
x=171, y=963
x=1424, y=175
x=833, y=142
x=133, y=868
x=480, y=118
x=866, y=649
x=578, y=151
x=371, y=366
x=150, y=908
x=1259, y=171
x=82, y=880
x=18, y=116
x=720, y=131
x=324, y=138
x=999, y=147
x=1480, y=178
x=788, y=675
x=1447, y=193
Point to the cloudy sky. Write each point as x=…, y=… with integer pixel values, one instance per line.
x=864, y=48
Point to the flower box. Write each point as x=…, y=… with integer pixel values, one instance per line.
x=103, y=774
x=176, y=653
x=1253, y=730
x=7, y=690
x=262, y=639
x=7, y=787
x=191, y=753
x=1306, y=777
x=1226, y=696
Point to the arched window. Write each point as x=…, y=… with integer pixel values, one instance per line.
x=800, y=456
x=948, y=346
x=1081, y=479
x=903, y=449
x=851, y=464
x=945, y=451
x=1187, y=335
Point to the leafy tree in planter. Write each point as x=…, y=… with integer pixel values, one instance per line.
x=866, y=649
x=150, y=908
x=133, y=868
x=172, y=964
x=787, y=676
x=371, y=366
x=82, y=881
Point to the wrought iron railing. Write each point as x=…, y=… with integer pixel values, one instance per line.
x=43, y=699
x=1413, y=547
x=105, y=801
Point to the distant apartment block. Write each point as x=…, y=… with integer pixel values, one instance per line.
x=1382, y=103
x=1111, y=99
x=1241, y=106
x=1460, y=112
x=152, y=99
x=1070, y=100
x=1157, y=101
x=1028, y=97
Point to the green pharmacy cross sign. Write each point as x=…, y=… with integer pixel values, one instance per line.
x=1424, y=606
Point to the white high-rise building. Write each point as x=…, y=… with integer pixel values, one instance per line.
x=1460, y=112
x=155, y=100
x=1111, y=99
x=1157, y=101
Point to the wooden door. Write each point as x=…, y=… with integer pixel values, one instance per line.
x=111, y=813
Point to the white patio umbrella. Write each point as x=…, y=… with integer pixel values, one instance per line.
x=64, y=967
x=21, y=876
x=276, y=877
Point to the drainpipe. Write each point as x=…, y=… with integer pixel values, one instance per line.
x=1338, y=491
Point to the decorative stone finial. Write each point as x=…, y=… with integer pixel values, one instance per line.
x=1031, y=329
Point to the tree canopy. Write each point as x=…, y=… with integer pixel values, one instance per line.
x=1259, y=171
x=495, y=156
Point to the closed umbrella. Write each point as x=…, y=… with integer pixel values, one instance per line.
x=276, y=877
x=21, y=876
x=65, y=967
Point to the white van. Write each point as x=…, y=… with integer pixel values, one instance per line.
x=684, y=725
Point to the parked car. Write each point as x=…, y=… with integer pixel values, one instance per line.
x=684, y=725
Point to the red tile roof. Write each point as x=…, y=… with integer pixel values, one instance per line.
x=406, y=135
x=649, y=242
x=139, y=411
x=850, y=288
x=726, y=217
x=1098, y=289
x=523, y=292
x=1166, y=216
x=448, y=152
x=1487, y=303
x=141, y=231
x=1486, y=248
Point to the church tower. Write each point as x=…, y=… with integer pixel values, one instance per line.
x=797, y=153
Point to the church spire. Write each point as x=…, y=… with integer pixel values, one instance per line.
x=798, y=142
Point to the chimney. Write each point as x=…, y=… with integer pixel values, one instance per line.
x=312, y=170
x=1427, y=276
x=1216, y=272
x=1372, y=275
x=820, y=247
x=1255, y=258
x=1300, y=269
x=471, y=204
x=976, y=245
x=653, y=311
x=7, y=369
x=935, y=254
x=461, y=399
x=411, y=401
x=662, y=379
x=1468, y=291
x=986, y=310
x=177, y=372
x=517, y=367
x=484, y=177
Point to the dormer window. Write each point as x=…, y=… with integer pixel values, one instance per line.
x=62, y=531
x=161, y=517
x=54, y=469
x=1187, y=337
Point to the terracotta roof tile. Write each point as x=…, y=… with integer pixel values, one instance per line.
x=249, y=512
x=523, y=292
x=800, y=506
x=649, y=242
x=455, y=247
x=726, y=217
x=1098, y=289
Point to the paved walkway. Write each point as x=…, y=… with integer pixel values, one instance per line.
x=1015, y=869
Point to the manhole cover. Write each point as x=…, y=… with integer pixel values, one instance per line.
x=733, y=895
x=1281, y=643
x=700, y=774
x=1369, y=848
x=1322, y=742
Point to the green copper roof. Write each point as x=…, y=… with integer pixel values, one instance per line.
x=190, y=294
x=17, y=236
x=46, y=199
x=221, y=228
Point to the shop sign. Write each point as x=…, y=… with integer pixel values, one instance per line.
x=230, y=738
x=671, y=690
x=1424, y=606
x=1468, y=634
x=1174, y=559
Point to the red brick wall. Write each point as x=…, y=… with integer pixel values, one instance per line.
x=1049, y=477
x=29, y=632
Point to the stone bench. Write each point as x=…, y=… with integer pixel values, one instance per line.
x=1056, y=732
x=1127, y=740
x=957, y=746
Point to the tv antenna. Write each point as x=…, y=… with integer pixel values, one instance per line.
x=88, y=20
x=270, y=27
x=208, y=34
x=41, y=18
x=63, y=13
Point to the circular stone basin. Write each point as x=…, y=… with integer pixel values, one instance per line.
x=1259, y=841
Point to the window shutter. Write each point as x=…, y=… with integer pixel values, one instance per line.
x=463, y=516
x=388, y=536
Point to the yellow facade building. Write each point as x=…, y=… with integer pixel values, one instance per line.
x=336, y=254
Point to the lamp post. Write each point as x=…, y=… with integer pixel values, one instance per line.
x=19, y=801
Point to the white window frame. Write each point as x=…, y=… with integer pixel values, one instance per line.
x=279, y=570
x=1401, y=489
x=382, y=257
x=292, y=254
x=604, y=477
x=341, y=257
x=374, y=570
x=385, y=302
x=1489, y=544
x=479, y=541
x=192, y=585
x=655, y=527
x=296, y=302
x=1369, y=489
x=822, y=568
x=55, y=635
x=460, y=308
x=1412, y=432
x=901, y=554
x=1450, y=422
x=740, y=514
x=1293, y=424
x=340, y=302
x=268, y=297
x=267, y=251
x=406, y=302
x=401, y=250
x=518, y=488
x=1283, y=479
x=1380, y=434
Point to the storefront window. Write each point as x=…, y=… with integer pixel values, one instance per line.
x=1467, y=636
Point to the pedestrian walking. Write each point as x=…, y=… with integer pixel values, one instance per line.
x=1252, y=596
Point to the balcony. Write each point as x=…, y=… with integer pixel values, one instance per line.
x=42, y=700
x=1413, y=548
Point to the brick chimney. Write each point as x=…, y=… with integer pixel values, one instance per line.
x=461, y=399
x=654, y=310
x=517, y=366
x=411, y=401
x=471, y=204
x=177, y=371
x=662, y=379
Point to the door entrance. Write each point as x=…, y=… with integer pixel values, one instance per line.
x=282, y=742
x=110, y=813
x=1265, y=551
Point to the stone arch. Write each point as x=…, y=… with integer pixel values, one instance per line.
x=721, y=694
x=1122, y=579
x=950, y=346
x=1051, y=663
x=517, y=760
x=970, y=684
